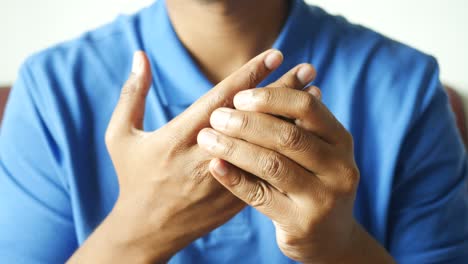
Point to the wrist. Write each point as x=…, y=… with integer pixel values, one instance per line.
x=107, y=244
x=363, y=248
x=128, y=232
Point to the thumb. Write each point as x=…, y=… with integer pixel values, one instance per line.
x=130, y=109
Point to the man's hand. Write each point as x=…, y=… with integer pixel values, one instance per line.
x=167, y=196
x=302, y=176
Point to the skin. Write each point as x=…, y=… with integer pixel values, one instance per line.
x=302, y=176
x=190, y=176
x=222, y=35
x=168, y=197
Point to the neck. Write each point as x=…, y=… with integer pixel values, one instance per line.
x=222, y=35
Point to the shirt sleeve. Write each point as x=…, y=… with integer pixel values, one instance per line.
x=428, y=218
x=36, y=223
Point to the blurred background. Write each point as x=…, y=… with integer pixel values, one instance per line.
x=437, y=27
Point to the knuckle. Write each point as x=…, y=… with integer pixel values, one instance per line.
x=290, y=138
x=259, y=195
x=244, y=121
x=253, y=77
x=229, y=148
x=238, y=181
x=263, y=96
x=309, y=103
x=351, y=177
x=220, y=100
x=216, y=100
x=272, y=166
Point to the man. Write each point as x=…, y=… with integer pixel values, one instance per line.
x=370, y=170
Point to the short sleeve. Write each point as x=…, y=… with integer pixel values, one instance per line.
x=428, y=218
x=36, y=223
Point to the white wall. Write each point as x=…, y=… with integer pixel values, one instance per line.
x=28, y=25
x=438, y=27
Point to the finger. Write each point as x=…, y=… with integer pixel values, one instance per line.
x=297, y=78
x=267, y=131
x=130, y=109
x=309, y=112
x=274, y=168
x=315, y=91
x=252, y=190
x=248, y=76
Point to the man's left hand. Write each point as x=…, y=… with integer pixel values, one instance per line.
x=302, y=176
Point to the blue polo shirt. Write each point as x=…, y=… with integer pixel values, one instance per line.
x=57, y=182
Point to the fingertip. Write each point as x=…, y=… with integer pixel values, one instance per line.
x=207, y=138
x=243, y=99
x=138, y=63
x=274, y=59
x=306, y=73
x=315, y=91
x=141, y=67
x=219, y=167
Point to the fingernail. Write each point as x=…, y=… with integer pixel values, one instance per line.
x=220, y=118
x=207, y=139
x=273, y=60
x=315, y=92
x=137, y=66
x=219, y=167
x=305, y=74
x=243, y=99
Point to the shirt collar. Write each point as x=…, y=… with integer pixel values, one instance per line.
x=178, y=79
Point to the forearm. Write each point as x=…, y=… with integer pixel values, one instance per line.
x=112, y=243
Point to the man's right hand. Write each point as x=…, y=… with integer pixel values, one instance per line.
x=167, y=198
